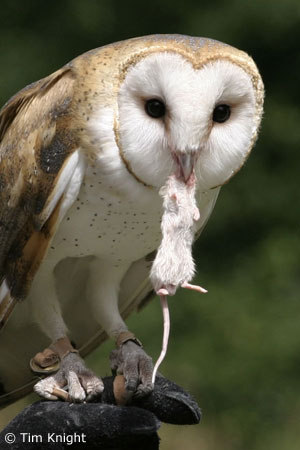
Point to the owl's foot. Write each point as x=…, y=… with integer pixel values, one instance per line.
x=133, y=362
x=73, y=382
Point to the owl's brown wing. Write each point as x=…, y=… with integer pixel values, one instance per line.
x=37, y=141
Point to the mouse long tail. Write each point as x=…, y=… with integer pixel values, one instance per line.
x=166, y=318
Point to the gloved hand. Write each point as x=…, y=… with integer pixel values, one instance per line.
x=101, y=424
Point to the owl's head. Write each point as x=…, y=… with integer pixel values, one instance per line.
x=185, y=103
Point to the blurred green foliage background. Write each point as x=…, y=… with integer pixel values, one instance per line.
x=237, y=349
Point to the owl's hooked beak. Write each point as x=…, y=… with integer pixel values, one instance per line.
x=185, y=163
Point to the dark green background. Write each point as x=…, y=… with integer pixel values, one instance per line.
x=237, y=348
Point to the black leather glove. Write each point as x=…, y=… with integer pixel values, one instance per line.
x=101, y=424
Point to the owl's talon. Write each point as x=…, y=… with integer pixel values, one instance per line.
x=136, y=366
x=143, y=390
x=50, y=389
x=81, y=383
x=61, y=393
x=76, y=391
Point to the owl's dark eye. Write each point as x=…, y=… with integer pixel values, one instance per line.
x=221, y=113
x=155, y=108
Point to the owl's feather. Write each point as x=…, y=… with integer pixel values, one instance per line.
x=91, y=114
x=36, y=144
x=135, y=293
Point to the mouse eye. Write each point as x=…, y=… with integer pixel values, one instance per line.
x=221, y=113
x=155, y=108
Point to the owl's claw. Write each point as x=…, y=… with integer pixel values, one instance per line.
x=50, y=389
x=73, y=382
x=136, y=366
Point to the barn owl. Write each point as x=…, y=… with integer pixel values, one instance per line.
x=84, y=154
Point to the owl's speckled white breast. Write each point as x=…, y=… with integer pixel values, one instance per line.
x=104, y=221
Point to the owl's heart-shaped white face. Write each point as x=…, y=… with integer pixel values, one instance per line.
x=205, y=116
